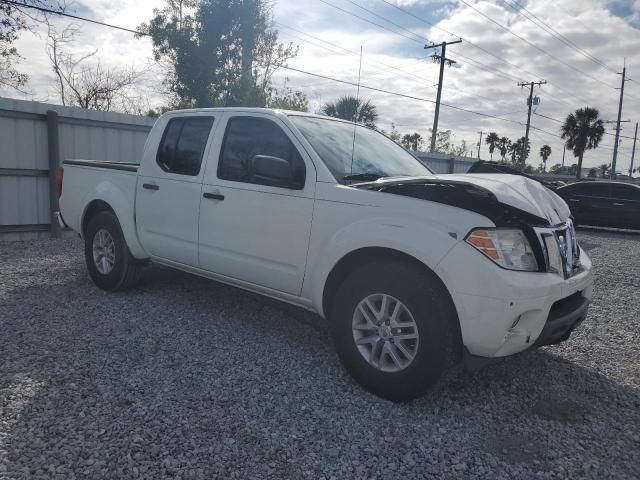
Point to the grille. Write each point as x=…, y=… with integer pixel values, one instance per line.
x=567, y=245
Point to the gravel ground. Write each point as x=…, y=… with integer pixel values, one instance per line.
x=186, y=378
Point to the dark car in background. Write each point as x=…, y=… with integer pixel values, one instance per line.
x=603, y=204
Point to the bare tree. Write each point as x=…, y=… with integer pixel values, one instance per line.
x=15, y=18
x=84, y=82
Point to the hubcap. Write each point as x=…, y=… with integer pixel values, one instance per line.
x=385, y=332
x=104, y=251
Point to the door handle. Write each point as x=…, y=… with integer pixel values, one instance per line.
x=619, y=204
x=574, y=200
x=150, y=186
x=213, y=196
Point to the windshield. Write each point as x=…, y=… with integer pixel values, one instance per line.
x=374, y=155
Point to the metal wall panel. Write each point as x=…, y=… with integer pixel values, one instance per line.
x=87, y=134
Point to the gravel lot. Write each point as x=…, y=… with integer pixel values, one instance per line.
x=186, y=378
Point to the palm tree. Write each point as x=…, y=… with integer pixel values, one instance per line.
x=412, y=141
x=582, y=131
x=604, y=168
x=503, y=145
x=519, y=152
x=492, y=140
x=545, y=153
x=352, y=109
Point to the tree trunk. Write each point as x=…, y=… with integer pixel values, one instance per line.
x=579, y=172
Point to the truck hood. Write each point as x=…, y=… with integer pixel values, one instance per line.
x=502, y=197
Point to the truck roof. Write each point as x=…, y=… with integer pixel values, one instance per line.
x=273, y=111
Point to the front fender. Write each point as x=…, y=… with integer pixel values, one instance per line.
x=123, y=203
x=426, y=243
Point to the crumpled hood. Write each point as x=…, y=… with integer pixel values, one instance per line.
x=519, y=192
x=470, y=191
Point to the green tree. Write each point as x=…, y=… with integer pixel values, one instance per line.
x=492, y=140
x=582, y=130
x=412, y=141
x=593, y=173
x=545, y=153
x=352, y=109
x=288, y=99
x=394, y=134
x=217, y=52
x=503, y=145
x=519, y=152
x=604, y=170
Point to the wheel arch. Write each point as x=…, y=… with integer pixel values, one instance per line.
x=92, y=209
x=365, y=255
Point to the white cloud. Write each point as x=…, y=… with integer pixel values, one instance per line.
x=589, y=23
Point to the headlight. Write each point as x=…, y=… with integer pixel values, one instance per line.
x=554, y=257
x=507, y=247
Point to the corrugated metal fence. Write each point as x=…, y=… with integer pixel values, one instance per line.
x=34, y=137
x=444, y=163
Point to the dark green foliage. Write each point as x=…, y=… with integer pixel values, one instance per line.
x=352, y=109
x=582, y=130
x=218, y=52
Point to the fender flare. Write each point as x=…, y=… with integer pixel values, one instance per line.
x=116, y=199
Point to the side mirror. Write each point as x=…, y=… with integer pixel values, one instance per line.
x=272, y=171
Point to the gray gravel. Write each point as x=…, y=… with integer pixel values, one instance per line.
x=186, y=378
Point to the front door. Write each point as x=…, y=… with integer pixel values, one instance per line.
x=169, y=190
x=252, y=229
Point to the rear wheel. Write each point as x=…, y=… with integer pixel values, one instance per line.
x=395, y=328
x=109, y=261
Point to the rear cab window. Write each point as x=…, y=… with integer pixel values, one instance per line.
x=183, y=143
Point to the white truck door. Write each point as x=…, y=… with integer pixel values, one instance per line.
x=170, y=188
x=258, y=197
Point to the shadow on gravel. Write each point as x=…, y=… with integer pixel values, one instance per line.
x=186, y=378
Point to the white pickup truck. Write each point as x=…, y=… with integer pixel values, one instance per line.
x=414, y=271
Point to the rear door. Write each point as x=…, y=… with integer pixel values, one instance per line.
x=251, y=230
x=626, y=201
x=590, y=203
x=170, y=188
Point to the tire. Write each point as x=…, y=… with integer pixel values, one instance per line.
x=122, y=270
x=429, y=306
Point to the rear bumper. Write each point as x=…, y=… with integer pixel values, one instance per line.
x=60, y=220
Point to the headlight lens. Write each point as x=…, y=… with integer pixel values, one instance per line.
x=554, y=257
x=509, y=248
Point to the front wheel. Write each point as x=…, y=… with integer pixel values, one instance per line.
x=109, y=261
x=395, y=328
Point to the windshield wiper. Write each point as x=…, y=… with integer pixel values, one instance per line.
x=365, y=177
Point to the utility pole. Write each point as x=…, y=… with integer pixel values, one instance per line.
x=442, y=60
x=480, y=143
x=612, y=175
x=633, y=152
x=564, y=149
x=530, y=103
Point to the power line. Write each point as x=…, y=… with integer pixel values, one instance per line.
x=550, y=55
x=488, y=52
x=559, y=36
x=76, y=17
x=351, y=52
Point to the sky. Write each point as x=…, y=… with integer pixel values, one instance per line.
x=576, y=46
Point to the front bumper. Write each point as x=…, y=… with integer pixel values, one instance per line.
x=503, y=312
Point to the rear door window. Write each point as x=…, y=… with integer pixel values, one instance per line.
x=182, y=145
x=625, y=192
